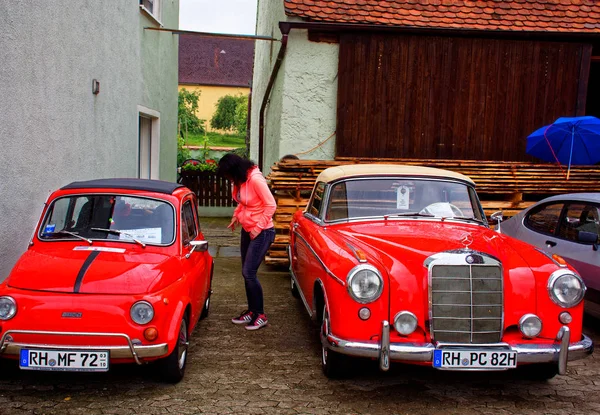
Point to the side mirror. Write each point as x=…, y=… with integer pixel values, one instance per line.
x=201, y=246
x=497, y=217
x=588, y=238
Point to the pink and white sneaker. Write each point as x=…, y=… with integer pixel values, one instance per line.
x=258, y=322
x=244, y=318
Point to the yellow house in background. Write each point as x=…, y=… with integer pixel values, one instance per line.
x=216, y=67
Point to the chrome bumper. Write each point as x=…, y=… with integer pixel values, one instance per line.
x=128, y=351
x=561, y=351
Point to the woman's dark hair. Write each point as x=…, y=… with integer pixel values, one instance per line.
x=235, y=168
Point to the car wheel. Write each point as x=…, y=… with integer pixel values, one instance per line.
x=334, y=364
x=294, y=288
x=541, y=372
x=206, y=307
x=173, y=366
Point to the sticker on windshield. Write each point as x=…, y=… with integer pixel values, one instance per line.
x=402, y=197
x=50, y=228
x=150, y=235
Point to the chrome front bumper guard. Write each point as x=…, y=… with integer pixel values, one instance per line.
x=129, y=351
x=561, y=351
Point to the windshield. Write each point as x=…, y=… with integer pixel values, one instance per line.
x=90, y=216
x=360, y=198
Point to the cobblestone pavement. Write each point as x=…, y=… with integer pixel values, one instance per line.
x=276, y=370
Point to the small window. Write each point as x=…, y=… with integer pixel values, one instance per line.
x=188, y=223
x=316, y=202
x=544, y=219
x=152, y=7
x=579, y=217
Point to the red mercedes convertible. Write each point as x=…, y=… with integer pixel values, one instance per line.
x=117, y=271
x=398, y=264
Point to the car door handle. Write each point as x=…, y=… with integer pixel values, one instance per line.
x=551, y=244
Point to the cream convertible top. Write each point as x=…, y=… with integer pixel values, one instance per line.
x=353, y=170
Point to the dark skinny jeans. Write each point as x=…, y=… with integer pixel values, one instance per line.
x=253, y=252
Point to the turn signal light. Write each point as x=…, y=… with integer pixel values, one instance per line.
x=150, y=334
x=559, y=259
x=362, y=257
x=565, y=318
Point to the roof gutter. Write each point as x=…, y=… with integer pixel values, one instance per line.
x=285, y=30
x=433, y=31
x=209, y=34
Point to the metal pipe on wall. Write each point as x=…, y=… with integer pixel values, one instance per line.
x=285, y=30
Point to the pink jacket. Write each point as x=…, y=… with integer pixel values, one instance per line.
x=256, y=204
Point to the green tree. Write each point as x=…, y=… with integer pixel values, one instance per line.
x=231, y=113
x=241, y=116
x=187, y=119
x=182, y=153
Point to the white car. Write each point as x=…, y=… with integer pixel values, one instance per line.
x=567, y=225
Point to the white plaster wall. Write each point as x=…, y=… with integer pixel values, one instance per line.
x=159, y=63
x=309, y=104
x=53, y=130
x=269, y=14
x=302, y=105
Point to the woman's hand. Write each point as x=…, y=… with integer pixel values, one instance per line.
x=254, y=233
x=234, y=222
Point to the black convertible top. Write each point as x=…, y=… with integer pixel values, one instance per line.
x=157, y=186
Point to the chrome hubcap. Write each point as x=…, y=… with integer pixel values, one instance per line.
x=324, y=330
x=182, y=344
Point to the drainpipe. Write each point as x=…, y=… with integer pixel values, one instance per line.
x=285, y=30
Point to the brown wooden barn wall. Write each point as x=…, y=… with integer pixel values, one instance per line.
x=453, y=98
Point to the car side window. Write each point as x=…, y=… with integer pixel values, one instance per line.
x=188, y=224
x=545, y=218
x=316, y=202
x=579, y=217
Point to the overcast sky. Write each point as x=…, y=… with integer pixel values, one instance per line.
x=218, y=16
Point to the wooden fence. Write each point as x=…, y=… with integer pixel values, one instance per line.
x=211, y=189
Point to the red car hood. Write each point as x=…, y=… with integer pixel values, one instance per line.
x=88, y=272
x=402, y=247
x=418, y=240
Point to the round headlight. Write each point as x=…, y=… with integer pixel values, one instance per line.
x=405, y=322
x=8, y=308
x=364, y=283
x=142, y=312
x=566, y=288
x=530, y=325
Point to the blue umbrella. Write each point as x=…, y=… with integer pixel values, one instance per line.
x=569, y=140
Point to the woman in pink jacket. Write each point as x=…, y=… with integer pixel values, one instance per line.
x=254, y=212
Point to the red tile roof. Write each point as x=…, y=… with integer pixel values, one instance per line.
x=215, y=61
x=575, y=16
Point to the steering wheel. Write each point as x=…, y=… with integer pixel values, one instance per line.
x=442, y=209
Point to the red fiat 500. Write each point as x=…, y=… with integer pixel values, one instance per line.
x=116, y=272
x=398, y=263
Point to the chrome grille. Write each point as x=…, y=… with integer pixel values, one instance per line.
x=466, y=302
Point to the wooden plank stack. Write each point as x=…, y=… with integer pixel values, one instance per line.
x=501, y=185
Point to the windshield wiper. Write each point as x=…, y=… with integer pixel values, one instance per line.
x=64, y=232
x=118, y=232
x=416, y=214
